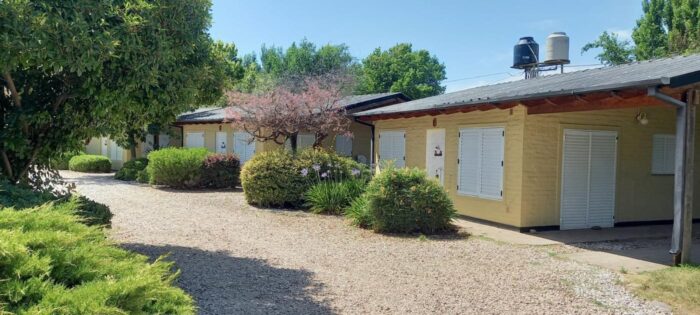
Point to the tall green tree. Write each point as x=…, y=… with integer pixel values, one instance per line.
x=400, y=69
x=72, y=69
x=666, y=28
x=614, y=50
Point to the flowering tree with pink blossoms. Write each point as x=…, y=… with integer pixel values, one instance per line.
x=311, y=105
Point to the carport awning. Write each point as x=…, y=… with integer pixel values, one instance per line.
x=602, y=88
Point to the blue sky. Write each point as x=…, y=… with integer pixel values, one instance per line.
x=474, y=39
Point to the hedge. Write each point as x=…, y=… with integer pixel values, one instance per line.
x=90, y=164
x=176, y=167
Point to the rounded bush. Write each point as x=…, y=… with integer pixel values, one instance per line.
x=221, y=170
x=131, y=169
x=60, y=162
x=405, y=200
x=176, y=167
x=89, y=163
x=271, y=179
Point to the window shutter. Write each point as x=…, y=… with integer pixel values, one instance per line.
x=392, y=146
x=469, y=143
x=242, y=146
x=491, y=162
x=663, y=154
x=343, y=145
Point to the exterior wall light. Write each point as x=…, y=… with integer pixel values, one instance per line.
x=642, y=118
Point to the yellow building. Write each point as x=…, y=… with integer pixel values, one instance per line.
x=109, y=148
x=207, y=128
x=593, y=148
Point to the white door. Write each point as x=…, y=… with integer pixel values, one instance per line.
x=194, y=140
x=105, y=146
x=435, y=155
x=116, y=152
x=163, y=140
x=243, y=146
x=343, y=145
x=588, y=179
x=221, y=142
x=148, y=144
x=392, y=147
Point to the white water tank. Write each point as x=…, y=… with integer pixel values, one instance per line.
x=557, y=51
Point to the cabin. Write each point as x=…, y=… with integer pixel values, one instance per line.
x=588, y=149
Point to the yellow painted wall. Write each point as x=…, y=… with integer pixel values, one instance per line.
x=507, y=210
x=210, y=131
x=533, y=154
x=640, y=196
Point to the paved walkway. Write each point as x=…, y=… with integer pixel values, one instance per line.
x=236, y=259
x=634, y=249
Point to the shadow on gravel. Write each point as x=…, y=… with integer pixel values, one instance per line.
x=222, y=284
x=98, y=179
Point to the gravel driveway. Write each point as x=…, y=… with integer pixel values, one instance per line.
x=237, y=259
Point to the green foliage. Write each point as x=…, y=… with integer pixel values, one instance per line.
x=19, y=197
x=405, y=200
x=400, y=69
x=52, y=264
x=60, y=162
x=221, y=170
x=332, y=197
x=614, y=50
x=176, y=167
x=677, y=286
x=131, y=169
x=666, y=27
x=89, y=163
x=74, y=69
x=278, y=178
x=90, y=212
x=358, y=212
x=271, y=179
x=143, y=177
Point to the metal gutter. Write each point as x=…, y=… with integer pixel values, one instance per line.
x=654, y=92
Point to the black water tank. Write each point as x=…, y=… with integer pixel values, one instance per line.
x=526, y=53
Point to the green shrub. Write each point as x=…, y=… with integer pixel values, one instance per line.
x=61, y=161
x=52, y=264
x=131, y=169
x=176, y=167
x=20, y=197
x=333, y=196
x=142, y=176
x=359, y=213
x=318, y=162
x=90, y=212
x=90, y=164
x=221, y=170
x=271, y=179
x=405, y=200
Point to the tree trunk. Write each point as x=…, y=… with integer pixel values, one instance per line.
x=293, y=143
x=132, y=146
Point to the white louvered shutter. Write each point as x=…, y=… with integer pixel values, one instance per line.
x=601, y=198
x=575, y=166
x=588, y=179
x=663, y=154
x=392, y=148
x=305, y=141
x=343, y=145
x=242, y=146
x=469, y=143
x=491, y=177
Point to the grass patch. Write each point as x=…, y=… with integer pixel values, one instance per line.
x=676, y=286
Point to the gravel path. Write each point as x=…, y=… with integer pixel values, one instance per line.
x=239, y=259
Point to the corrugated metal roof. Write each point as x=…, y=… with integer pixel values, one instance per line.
x=667, y=71
x=215, y=114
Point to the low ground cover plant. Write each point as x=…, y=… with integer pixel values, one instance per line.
x=133, y=170
x=403, y=200
x=89, y=163
x=677, y=286
x=53, y=264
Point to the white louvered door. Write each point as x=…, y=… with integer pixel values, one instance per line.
x=392, y=147
x=588, y=179
x=243, y=146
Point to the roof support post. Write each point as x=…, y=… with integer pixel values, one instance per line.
x=681, y=239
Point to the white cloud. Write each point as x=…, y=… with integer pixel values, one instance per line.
x=624, y=34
